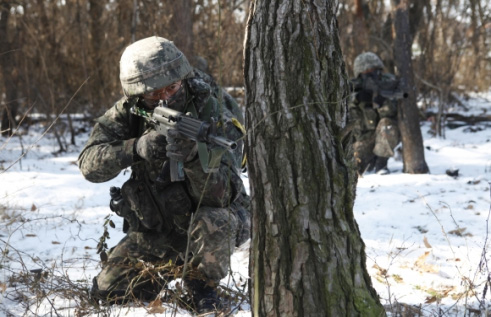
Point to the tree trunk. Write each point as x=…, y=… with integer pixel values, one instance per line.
x=412, y=140
x=10, y=73
x=307, y=256
x=181, y=25
x=96, y=50
x=360, y=34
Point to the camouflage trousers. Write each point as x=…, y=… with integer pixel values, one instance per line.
x=387, y=137
x=379, y=142
x=137, y=265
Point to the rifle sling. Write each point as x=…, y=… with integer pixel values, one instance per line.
x=209, y=159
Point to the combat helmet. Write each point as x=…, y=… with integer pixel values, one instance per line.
x=150, y=64
x=366, y=61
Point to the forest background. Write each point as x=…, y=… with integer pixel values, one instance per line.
x=63, y=55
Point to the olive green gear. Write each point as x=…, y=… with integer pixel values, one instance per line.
x=150, y=64
x=366, y=61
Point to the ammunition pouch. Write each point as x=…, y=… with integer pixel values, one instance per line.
x=121, y=208
x=370, y=119
x=155, y=207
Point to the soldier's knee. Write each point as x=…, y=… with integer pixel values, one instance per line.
x=210, y=221
x=243, y=226
x=213, y=238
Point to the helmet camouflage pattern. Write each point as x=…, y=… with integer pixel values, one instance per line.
x=151, y=63
x=366, y=61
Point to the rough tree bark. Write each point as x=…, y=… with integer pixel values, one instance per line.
x=307, y=256
x=408, y=117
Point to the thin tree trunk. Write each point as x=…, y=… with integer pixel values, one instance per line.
x=97, y=46
x=9, y=72
x=412, y=140
x=134, y=21
x=360, y=35
x=181, y=25
x=307, y=256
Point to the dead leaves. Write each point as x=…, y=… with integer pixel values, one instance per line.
x=426, y=243
x=382, y=275
x=424, y=267
x=155, y=307
x=460, y=232
x=436, y=295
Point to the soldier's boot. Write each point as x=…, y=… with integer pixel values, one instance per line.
x=146, y=291
x=381, y=165
x=371, y=165
x=104, y=297
x=204, y=297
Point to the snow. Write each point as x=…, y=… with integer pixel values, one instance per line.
x=426, y=235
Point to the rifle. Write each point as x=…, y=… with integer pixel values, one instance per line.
x=164, y=119
x=388, y=89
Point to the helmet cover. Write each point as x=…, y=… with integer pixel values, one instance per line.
x=150, y=64
x=366, y=61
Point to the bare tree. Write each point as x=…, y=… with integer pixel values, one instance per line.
x=307, y=256
x=96, y=10
x=408, y=114
x=181, y=27
x=10, y=73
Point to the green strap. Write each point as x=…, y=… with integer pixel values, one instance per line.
x=209, y=159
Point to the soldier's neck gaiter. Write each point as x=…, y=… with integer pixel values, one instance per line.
x=178, y=100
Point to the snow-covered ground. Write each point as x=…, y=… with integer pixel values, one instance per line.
x=426, y=235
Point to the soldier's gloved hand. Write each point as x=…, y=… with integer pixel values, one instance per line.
x=388, y=110
x=379, y=100
x=364, y=96
x=151, y=146
x=178, y=148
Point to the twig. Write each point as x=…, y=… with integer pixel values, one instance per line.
x=47, y=129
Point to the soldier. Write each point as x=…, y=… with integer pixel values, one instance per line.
x=196, y=222
x=372, y=117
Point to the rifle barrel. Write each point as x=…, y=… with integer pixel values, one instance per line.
x=218, y=140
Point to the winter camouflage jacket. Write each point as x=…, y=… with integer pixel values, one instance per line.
x=163, y=205
x=366, y=110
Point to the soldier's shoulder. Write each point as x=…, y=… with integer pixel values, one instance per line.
x=355, y=79
x=123, y=105
x=355, y=83
x=204, y=85
x=118, y=112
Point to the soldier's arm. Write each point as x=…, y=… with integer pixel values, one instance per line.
x=388, y=107
x=109, y=148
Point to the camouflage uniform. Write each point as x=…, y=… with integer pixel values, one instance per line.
x=374, y=126
x=157, y=213
x=372, y=118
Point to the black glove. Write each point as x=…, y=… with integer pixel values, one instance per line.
x=364, y=96
x=178, y=148
x=151, y=146
x=379, y=100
